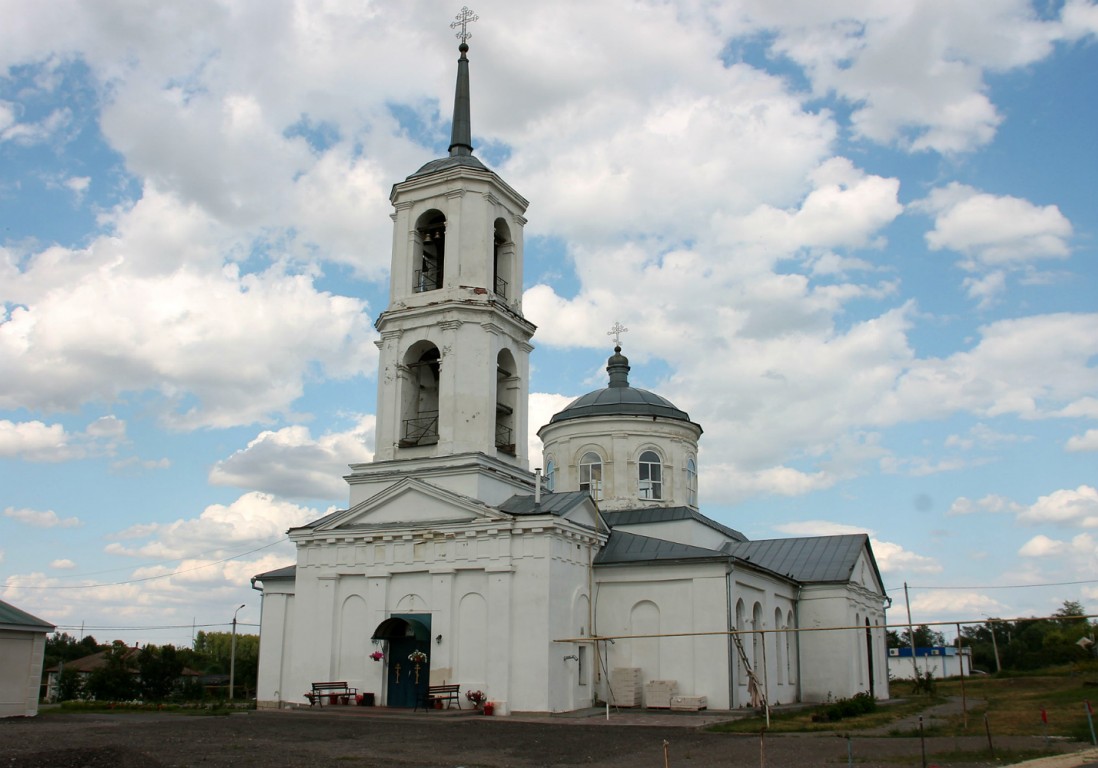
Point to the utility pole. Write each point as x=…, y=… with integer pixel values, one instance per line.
x=232, y=657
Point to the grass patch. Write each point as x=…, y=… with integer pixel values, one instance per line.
x=1013, y=703
x=816, y=719
x=960, y=757
x=137, y=707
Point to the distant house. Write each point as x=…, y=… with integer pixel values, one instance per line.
x=86, y=665
x=22, y=648
x=940, y=660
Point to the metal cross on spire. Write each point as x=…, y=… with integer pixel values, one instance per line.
x=616, y=331
x=464, y=18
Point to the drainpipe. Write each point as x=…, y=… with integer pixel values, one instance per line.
x=729, y=639
x=537, y=486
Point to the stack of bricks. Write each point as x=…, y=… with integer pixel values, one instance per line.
x=658, y=693
x=625, y=686
x=688, y=703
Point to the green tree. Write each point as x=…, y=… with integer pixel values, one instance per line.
x=116, y=679
x=924, y=638
x=213, y=651
x=70, y=685
x=160, y=670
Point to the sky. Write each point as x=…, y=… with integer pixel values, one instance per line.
x=855, y=240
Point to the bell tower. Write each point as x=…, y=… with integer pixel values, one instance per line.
x=454, y=367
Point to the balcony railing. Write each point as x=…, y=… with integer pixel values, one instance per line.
x=422, y=430
x=504, y=440
x=426, y=280
x=501, y=287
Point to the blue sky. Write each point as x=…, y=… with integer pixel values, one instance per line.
x=855, y=241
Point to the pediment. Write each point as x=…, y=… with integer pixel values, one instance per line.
x=411, y=502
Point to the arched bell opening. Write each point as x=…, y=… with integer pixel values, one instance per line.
x=503, y=260
x=507, y=388
x=430, y=263
x=420, y=395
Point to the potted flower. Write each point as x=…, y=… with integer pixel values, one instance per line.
x=417, y=657
x=477, y=697
x=377, y=655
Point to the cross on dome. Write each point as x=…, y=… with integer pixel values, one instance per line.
x=616, y=331
x=464, y=18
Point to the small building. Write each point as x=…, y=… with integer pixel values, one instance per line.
x=22, y=650
x=939, y=660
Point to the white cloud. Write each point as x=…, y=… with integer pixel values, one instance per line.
x=990, y=504
x=63, y=565
x=891, y=557
x=291, y=462
x=37, y=441
x=156, y=308
x=913, y=73
x=41, y=518
x=994, y=231
x=254, y=519
x=1077, y=507
x=939, y=604
x=1085, y=442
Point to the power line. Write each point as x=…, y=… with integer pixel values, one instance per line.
x=148, y=578
x=86, y=627
x=1018, y=586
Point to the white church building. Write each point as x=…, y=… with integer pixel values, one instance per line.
x=601, y=581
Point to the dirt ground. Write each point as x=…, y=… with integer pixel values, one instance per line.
x=366, y=738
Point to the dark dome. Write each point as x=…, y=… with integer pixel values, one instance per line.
x=453, y=161
x=620, y=399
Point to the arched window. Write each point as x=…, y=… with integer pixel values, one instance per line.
x=506, y=392
x=431, y=242
x=503, y=260
x=590, y=469
x=550, y=475
x=691, y=482
x=419, y=395
x=649, y=476
x=740, y=626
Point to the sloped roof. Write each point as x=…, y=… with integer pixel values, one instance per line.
x=288, y=572
x=551, y=503
x=806, y=559
x=13, y=618
x=645, y=515
x=625, y=547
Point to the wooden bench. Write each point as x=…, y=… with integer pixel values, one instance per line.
x=332, y=691
x=439, y=693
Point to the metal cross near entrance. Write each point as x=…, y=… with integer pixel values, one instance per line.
x=464, y=18
x=616, y=331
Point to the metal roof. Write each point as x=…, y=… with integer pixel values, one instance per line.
x=625, y=547
x=10, y=617
x=806, y=559
x=620, y=399
x=644, y=515
x=288, y=572
x=551, y=503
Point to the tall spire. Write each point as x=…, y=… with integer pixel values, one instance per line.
x=461, y=132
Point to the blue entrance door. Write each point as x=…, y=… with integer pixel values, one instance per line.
x=407, y=662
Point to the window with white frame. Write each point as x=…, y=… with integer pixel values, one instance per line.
x=550, y=475
x=590, y=472
x=691, y=482
x=649, y=476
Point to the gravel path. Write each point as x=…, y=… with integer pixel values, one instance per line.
x=366, y=739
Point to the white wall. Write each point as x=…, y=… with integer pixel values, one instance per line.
x=21, y=655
